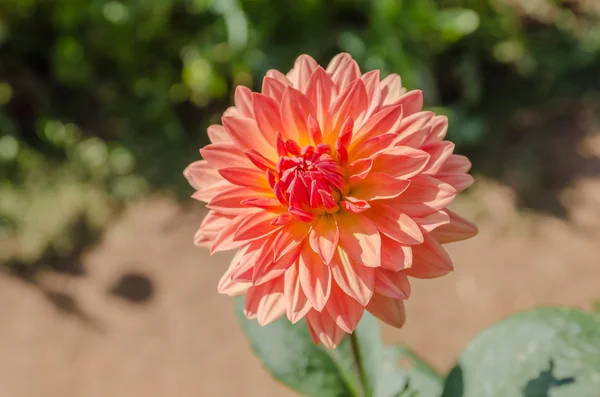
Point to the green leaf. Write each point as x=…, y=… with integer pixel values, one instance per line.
x=389, y=368
x=549, y=352
x=363, y=366
x=289, y=354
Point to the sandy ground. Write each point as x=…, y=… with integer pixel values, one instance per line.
x=144, y=317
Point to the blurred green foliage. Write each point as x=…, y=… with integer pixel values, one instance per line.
x=106, y=100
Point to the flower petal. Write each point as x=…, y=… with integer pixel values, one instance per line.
x=243, y=101
x=396, y=224
x=231, y=287
x=430, y=260
x=400, y=161
x=412, y=102
x=297, y=305
x=265, y=302
x=255, y=226
x=247, y=177
x=353, y=278
x=433, y=221
x=245, y=133
x=323, y=329
x=394, y=255
x=223, y=155
x=304, y=67
x=391, y=89
x=324, y=237
x=351, y=103
x=457, y=229
x=315, y=278
x=200, y=174
x=456, y=163
x=439, y=153
x=424, y=196
x=378, y=186
x=295, y=109
x=274, y=87
x=343, y=69
x=392, y=284
x=218, y=134
x=390, y=311
x=359, y=238
x=344, y=310
x=320, y=91
x=224, y=240
x=268, y=119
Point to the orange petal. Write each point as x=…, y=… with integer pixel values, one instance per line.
x=229, y=200
x=290, y=237
x=412, y=102
x=255, y=226
x=385, y=121
x=433, y=220
x=274, y=87
x=323, y=329
x=320, y=91
x=359, y=238
x=200, y=174
x=359, y=169
x=456, y=163
x=378, y=186
x=374, y=146
x=354, y=279
x=458, y=181
x=414, y=129
x=223, y=155
x=265, y=302
x=324, y=237
x=457, y=230
x=247, y=177
x=295, y=109
x=430, y=260
x=371, y=82
x=351, y=102
x=390, y=311
x=391, y=89
x=210, y=227
x=396, y=224
x=272, y=269
x=439, y=153
x=229, y=286
x=394, y=255
x=297, y=305
x=268, y=119
x=392, y=284
x=224, y=240
x=439, y=128
x=344, y=310
x=343, y=69
x=315, y=278
x=218, y=134
x=400, y=161
x=424, y=196
x=301, y=72
x=243, y=101
x=245, y=133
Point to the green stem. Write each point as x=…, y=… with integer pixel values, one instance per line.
x=362, y=376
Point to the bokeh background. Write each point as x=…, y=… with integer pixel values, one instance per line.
x=103, y=103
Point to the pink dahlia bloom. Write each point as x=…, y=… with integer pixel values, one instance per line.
x=332, y=186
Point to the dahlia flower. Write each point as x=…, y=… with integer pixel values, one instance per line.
x=332, y=186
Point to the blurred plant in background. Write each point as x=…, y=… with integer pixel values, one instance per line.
x=103, y=101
